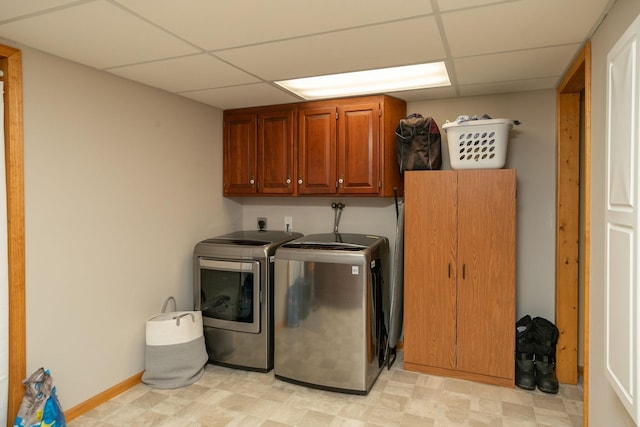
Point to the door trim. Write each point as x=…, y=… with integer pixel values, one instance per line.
x=11, y=65
x=568, y=97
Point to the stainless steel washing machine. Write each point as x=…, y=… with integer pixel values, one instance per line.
x=330, y=311
x=233, y=287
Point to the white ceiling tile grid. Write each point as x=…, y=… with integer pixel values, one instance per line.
x=228, y=54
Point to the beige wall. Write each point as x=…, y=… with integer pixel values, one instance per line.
x=604, y=407
x=121, y=180
x=531, y=151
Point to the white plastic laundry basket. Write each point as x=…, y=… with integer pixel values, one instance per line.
x=478, y=144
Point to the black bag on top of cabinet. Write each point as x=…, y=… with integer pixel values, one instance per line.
x=418, y=143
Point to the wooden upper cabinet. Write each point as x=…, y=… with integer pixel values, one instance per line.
x=359, y=148
x=367, y=159
x=317, y=150
x=259, y=152
x=347, y=146
x=239, y=168
x=276, y=164
x=336, y=147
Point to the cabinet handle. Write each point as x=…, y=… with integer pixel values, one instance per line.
x=449, y=272
x=464, y=267
x=299, y=180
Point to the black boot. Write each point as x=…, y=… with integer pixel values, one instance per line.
x=546, y=374
x=525, y=373
x=545, y=335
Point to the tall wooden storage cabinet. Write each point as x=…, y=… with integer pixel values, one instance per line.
x=459, y=274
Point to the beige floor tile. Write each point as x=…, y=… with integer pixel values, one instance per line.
x=485, y=406
x=521, y=412
x=399, y=398
x=545, y=417
x=316, y=419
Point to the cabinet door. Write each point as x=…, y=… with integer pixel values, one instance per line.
x=359, y=149
x=486, y=272
x=276, y=152
x=429, y=268
x=239, y=154
x=317, y=150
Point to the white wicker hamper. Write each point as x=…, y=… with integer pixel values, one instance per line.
x=478, y=144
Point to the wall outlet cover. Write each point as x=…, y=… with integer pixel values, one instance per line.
x=262, y=223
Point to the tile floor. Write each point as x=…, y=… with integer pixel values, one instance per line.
x=232, y=397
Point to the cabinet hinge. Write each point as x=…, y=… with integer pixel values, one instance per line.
x=336, y=115
x=379, y=185
x=379, y=112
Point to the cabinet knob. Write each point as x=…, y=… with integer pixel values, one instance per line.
x=252, y=181
x=288, y=180
x=340, y=181
x=299, y=180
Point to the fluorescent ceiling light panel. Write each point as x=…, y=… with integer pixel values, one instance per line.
x=394, y=79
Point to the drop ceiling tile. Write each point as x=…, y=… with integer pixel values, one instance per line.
x=242, y=96
x=11, y=9
x=519, y=25
x=530, y=64
x=158, y=42
x=214, y=25
x=445, y=5
x=422, y=94
x=507, y=87
x=97, y=34
x=413, y=41
x=186, y=73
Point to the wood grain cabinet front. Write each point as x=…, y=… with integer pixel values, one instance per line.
x=347, y=147
x=337, y=147
x=240, y=152
x=259, y=152
x=459, y=317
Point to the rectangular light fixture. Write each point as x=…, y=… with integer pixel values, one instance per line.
x=382, y=80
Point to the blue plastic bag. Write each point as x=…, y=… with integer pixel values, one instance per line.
x=40, y=406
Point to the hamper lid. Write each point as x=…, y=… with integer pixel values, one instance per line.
x=479, y=122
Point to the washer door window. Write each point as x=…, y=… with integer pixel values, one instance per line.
x=230, y=294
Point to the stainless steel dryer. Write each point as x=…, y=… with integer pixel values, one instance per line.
x=330, y=328
x=233, y=287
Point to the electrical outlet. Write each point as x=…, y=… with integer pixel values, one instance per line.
x=288, y=223
x=262, y=223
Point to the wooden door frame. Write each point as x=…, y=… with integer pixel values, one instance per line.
x=11, y=66
x=576, y=81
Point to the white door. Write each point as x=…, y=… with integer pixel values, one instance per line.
x=621, y=216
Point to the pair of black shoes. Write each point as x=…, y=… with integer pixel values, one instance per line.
x=536, y=354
